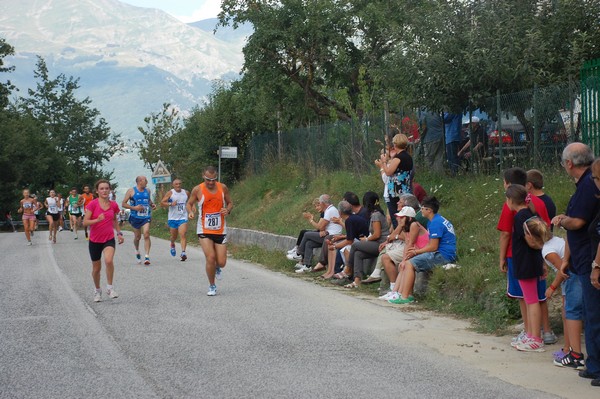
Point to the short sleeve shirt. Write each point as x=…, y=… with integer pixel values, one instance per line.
x=332, y=212
x=554, y=245
x=582, y=205
x=103, y=231
x=441, y=228
x=377, y=216
x=527, y=262
x=356, y=226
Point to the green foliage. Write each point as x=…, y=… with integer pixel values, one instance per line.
x=157, y=138
x=274, y=201
x=5, y=88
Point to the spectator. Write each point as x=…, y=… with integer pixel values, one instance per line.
x=368, y=246
x=579, y=217
x=452, y=125
x=399, y=170
x=314, y=239
x=479, y=138
x=535, y=186
x=9, y=222
x=292, y=254
x=432, y=137
x=440, y=249
x=418, y=191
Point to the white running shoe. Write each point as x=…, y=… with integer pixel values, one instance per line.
x=29, y=243
x=294, y=256
x=518, y=339
x=389, y=295
x=219, y=273
x=292, y=251
x=299, y=265
x=212, y=290
x=303, y=269
x=98, y=296
x=112, y=294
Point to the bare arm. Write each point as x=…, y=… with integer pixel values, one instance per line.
x=556, y=261
x=228, y=202
x=165, y=201
x=191, y=204
x=87, y=221
x=504, y=241
x=125, y=203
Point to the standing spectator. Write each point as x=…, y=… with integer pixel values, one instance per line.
x=399, y=170
x=535, y=186
x=479, y=139
x=581, y=210
x=432, y=137
x=452, y=125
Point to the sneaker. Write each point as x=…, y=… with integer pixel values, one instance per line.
x=518, y=339
x=146, y=260
x=60, y=228
x=303, y=269
x=558, y=355
x=389, y=295
x=29, y=243
x=75, y=238
x=402, y=301
x=549, y=338
x=530, y=345
x=294, y=256
x=173, y=251
x=573, y=360
x=292, y=251
x=219, y=273
x=299, y=265
x=212, y=290
x=138, y=257
x=98, y=296
x=183, y=256
x=112, y=294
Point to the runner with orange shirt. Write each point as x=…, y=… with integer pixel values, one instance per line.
x=87, y=198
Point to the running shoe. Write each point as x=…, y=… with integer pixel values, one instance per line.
x=390, y=295
x=98, y=296
x=183, y=256
x=573, y=360
x=531, y=345
x=60, y=228
x=402, y=301
x=146, y=260
x=75, y=238
x=299, y=265
x=138, y=257
x=292, y=251
x=173, y=251
x=219, y=273
x=518, y=339
x=558, y=355
x=303, y=269
x=294, y=256
x=29, y=243
x=31, y=233
x=112, y=293
x=212, y=290
x=549, y=338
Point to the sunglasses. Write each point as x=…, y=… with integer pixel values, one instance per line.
x=210, y=178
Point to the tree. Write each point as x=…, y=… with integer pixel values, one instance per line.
x=5, y=88
x=157, y=136
x=80, y=136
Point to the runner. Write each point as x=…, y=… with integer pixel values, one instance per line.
x=214, y=204
x=176, y=200
x=75, y=202
x=28, y=207
x=139, y=201
x=37, y=213
x=101, y=216
x=52, y=215
x=87, y=198
x=61, y=209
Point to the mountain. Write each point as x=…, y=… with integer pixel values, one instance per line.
x=130, y=60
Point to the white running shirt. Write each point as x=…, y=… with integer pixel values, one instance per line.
x=177, y=209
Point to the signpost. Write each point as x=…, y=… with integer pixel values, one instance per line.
x=228, y=153
x=160, y=176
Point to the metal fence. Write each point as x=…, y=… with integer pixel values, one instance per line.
x=528, y=129
x=590, y=100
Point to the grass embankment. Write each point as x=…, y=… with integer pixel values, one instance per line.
x=274, y=201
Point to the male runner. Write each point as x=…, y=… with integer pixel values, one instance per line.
x=214, y=203
x=139, y=200
x=75, y=202
x=87, y=198
x=175, y=200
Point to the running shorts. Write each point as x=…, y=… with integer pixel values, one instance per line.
x=96, y=248
x=216, y=238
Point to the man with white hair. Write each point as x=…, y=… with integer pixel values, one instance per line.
x=314, y=239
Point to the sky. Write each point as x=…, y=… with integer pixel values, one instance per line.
x=184, y=10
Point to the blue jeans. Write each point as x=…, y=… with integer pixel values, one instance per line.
x=591, y=321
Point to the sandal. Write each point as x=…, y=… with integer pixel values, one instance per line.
x=340, y=276
x=351, y=285
x=318, y=269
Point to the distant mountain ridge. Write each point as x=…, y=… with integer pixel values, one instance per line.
x=130, y=60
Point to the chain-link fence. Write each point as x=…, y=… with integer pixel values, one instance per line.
x=528, y=129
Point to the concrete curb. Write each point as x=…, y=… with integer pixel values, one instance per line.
x=269, y=241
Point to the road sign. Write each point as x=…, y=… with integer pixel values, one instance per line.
x=161, y=171
x=228, y=152
x=161, y=179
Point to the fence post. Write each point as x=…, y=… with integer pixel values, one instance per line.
x=499, y=113
x=279, y=144
x=536, y=129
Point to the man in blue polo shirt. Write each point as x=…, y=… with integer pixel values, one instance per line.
x=581, y=210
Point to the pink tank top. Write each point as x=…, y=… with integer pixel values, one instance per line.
x=422, y=240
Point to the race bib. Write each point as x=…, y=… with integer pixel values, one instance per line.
x=144, y=211
x=53, y=209
x=181, y=209
x=212, y=221
x=75, y=209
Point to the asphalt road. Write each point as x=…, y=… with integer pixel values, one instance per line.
x=264, y=335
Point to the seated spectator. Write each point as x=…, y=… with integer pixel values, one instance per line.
x=292, y=254
x=314, y=239
x=419, y=191
x=412, y=235
x=356, y=226
x=368, y=246
x=440, y=249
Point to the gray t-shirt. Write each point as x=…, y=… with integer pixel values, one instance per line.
x=377, y=216
x=435, y=126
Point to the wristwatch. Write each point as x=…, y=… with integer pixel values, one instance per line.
x=595, y=265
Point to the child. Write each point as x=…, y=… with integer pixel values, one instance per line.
x=528, y=268
x=553, y=252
